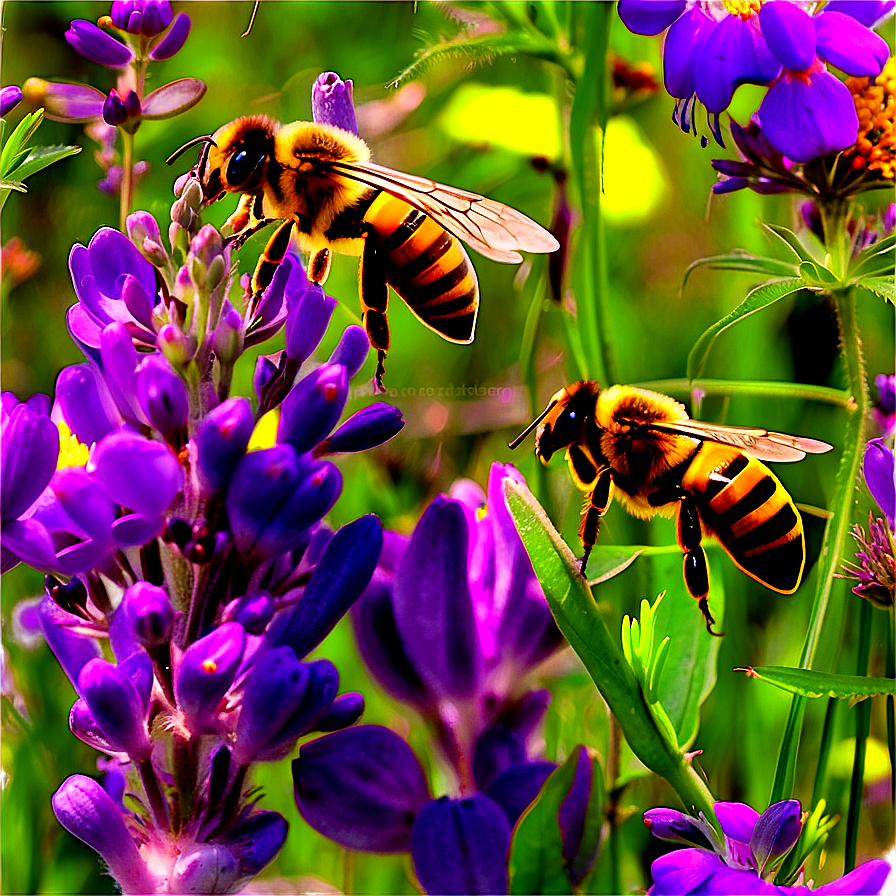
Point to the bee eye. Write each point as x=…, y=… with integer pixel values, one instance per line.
x=571, y=415
x=241, y=167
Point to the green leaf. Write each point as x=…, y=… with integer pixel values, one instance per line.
x=791, y=240
x=756, y=300
x=609, y=561
x=42, y=157
x=876, y=258
x=817, y=276
x=537, y=864
x=880, y=286
x=689, y=670
x=17, y=140
x=812, y=683
x=740, y=260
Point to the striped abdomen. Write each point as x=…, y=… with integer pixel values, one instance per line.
x=426, y=266
x=742, y=502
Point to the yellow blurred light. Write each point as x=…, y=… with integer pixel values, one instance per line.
x=634, y=183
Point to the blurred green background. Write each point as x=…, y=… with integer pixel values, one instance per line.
x=479, y=129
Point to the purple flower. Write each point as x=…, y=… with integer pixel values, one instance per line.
x=753, y=846
x=712, y=48
x=174, y=40
x=10, y=97
x=877, y=468
x=885, y=406
x=124, y=113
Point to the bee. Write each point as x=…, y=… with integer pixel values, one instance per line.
x=318, y=180
x=641, y=447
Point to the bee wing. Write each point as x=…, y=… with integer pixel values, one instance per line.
x=491, y=228
x=762, y=444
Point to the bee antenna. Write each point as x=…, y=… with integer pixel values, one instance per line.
x=196, y=140
x=521, y=437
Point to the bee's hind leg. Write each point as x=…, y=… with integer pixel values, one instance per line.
x=596, y=503
x=374, y=292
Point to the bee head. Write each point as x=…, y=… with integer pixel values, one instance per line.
x=238, y=157
x=563, y=421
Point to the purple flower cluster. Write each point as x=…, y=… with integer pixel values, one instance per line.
x=452, y=623
x=142, y=31
x=747, y=857
x=712, y=48
x=172, y=529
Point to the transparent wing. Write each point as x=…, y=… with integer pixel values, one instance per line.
x=491, y=228
x=762, y=444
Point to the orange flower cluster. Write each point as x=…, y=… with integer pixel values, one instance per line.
x=875, y=148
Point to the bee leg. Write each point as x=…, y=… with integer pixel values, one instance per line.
x=319, y=266
x=695, y=567
x=596, y=504
x=374, y=292
x=269, y=261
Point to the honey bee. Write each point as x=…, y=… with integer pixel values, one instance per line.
x=642, y=448
x=319, y=181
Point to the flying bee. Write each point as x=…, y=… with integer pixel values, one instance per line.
x=319, y=181
x=641, y=447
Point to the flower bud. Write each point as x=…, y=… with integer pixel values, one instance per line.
x=146, y=17
x=227, y=339
x=265, y=370
x=331, y=102
x=116, y=706
x=310, y=410
x=149, y=613
x=205, y=673
x=163, y=398
x=776, y=832
x=345, y=710
x=176, y=346
x=369, y=427
x=122, y=113
x=253, y=611
x=307, y=322
x=352, y=350
x=143, y=229
x=10, y=97
x=221, y=441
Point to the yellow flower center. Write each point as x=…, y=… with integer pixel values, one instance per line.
x=72, y=453
x=875, y=149
x=744, y=8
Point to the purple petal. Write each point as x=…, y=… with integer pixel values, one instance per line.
x=868, y=13
x=848, y=45
x=776, y=831
x=132, y=529
x=807, y=117
x=85, y=810
x=119, y=368
x=460, y=846
x=517, y=786
x=307, y=322
x=737, y=820
x=313, y=406
x=137, y=473
x=252, y=611
x=345, y=710
x=789, y=33
x=10, y=97
x=866, y=880
x=649, y=16
x=877, y=468
x=71, y=103
x=97, y=46
x=111, y=254
x=331, y=102
x=149, y=614
x=257, y=841
x=361, y=787
x=677, y=827
x=72, y=651
x=173, y=98
x=352, y=350
x=205, y=868
x=85, y=504
x=138, y=301
x=30, y=451
x=735, y=53
x=433, y=605
x=341, y=574
x=29, y=541
x=683, y=871
x=174, y=40
x=116, y=706
x=163, y=397
x=574, y=808
x=86, y=404
x=683, y=46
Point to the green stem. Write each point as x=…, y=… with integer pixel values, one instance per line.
x=127, y=179
x=890, y=672
x=838, y=527
x=760, y=389
x=863, y=726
